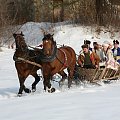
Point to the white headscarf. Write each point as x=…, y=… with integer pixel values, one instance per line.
x=105, y=45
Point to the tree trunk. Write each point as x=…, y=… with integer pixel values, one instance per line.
x=99, y=13
x=58, y=10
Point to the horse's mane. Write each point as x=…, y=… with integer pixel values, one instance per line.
x=48, y=37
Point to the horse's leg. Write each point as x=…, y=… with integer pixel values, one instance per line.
x=70, y=75
x=47, y=83
x=64, y=76
x=21, y=81
x=37, y=79
x=22, y=86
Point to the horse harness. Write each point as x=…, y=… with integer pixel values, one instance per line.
x=42, y=57
x=25, y=56
x=65, y=61
x=54, y=56
x=45, y=58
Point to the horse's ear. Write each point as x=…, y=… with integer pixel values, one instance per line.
x=22, y=33
x=14, y=35
x=52, y=35
x=44, y=33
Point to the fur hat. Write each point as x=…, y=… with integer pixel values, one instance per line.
x=87, y=42
x=115, y=42
x=84, y=46
x=95, y=43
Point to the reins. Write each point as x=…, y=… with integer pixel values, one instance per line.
x=65, y=62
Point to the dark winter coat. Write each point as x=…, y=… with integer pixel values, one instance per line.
x=118, y=54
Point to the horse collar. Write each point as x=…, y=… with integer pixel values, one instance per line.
x=44, y=58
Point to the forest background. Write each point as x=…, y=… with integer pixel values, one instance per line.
x=14, y=13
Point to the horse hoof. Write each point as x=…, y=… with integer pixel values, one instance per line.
x=33, y=90
x=51, y=90
x=27, y=90
x=19, y=95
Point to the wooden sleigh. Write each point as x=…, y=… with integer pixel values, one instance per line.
x=96, y=75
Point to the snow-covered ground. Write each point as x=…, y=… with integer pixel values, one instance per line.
x=79, y=103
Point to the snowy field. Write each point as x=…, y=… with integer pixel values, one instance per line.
x=78, y=103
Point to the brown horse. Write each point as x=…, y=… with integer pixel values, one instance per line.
x=25, y=69
x=55, y=60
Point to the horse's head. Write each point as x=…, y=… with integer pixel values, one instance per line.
x=48, y=45
x=20, y=42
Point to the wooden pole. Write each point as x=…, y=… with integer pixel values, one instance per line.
x=30, y=62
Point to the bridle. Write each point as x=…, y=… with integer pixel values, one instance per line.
x=50, y=58
x=20, y=47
